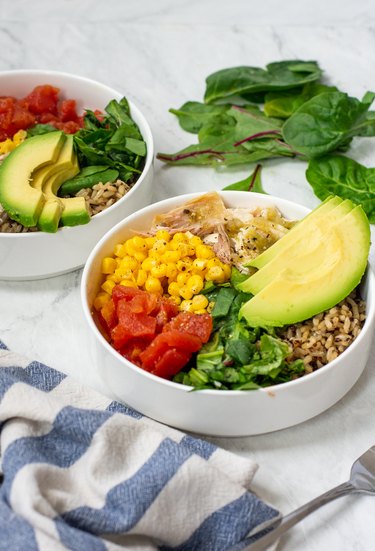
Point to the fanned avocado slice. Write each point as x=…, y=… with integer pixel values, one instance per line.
x=21, y=201
x=304, y=289
x=310, y=239
x=322, y=211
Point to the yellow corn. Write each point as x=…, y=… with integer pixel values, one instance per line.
x=101, y=300
x=199, y=302
x=108, y=285
x=109, y=265
x=174, y=266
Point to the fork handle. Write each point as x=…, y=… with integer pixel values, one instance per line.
x=286, y=522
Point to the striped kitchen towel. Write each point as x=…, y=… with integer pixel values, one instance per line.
x=85, y=473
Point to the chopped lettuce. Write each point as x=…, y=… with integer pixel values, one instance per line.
x=238, y=357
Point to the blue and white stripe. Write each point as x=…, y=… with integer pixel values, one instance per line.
x=87, y=474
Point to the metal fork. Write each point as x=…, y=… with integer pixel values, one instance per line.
x=361, y=481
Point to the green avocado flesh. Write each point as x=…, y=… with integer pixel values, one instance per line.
x=309, y=278
x=322, y=211
x=74, y=209
x=304, y=252
x=23, y=202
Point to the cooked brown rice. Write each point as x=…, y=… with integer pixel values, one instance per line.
x=101, y=196
x=98, y=198
x=319, y=340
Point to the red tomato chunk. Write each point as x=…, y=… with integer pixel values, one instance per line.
x=150, y=331
x=42, y=106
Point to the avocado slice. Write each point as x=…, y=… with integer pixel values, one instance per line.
x=75, y=211
x=65, y=160
x=294, y=296
x=310, y=238
x=322, y=211
x=74, y=208
x=21, y=201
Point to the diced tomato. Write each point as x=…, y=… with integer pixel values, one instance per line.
x=43, y=106
x=146, y=303
x=137, y=325
x=171, y=363
x=43, y=99
x=133, y=348
x=167, y=311
x=193, y=324
x=67, y=110
x=109, y=315
x=120, y=292
x=164, y=342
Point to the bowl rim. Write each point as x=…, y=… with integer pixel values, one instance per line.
x=147, y=135
x=370, y=309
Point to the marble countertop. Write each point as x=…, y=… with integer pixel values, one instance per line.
x=158, y=54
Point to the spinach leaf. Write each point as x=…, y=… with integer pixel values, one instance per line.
x=342, y=176
x=325, y=122
x=223, y=302
x=251, y=183
x=283, y=104
x=113, y=141
x=193, y=115
x=40, y=129
x=237, y=81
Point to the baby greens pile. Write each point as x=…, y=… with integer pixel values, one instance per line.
x=109, y=146
x=251, y=114
x=238, y=357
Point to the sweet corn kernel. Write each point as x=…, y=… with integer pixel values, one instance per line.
x=141, y=278
x=227, y=270
x=140, y=256
x=174, y=289
x=184, y=265
x=186, y=306
x=149, y=263
x=186, y=293
x=199, y=265
x=175, y=300
x=171, y=271
x=180, y=237
x=128, y=283
x=139, y=243
x=216, y=274
x=159, y=271
x=195, y=284
x=108, y=265
x=213, y=262
x=129, y=247
x=199, y=302
x=195, y=241
x=120, y=250
x=201, y=311
x=171, y=256
x=101, y=300
x=153, y=285
x=160, y=246
x=108, y=285
x=182, y=248
x=164, y=235
x=182, y=278
x=128, y=263
x=150, y=241
x=114, y=277
x=203, y=251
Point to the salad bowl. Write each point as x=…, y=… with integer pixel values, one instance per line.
x=36, y=255
x=211, y=411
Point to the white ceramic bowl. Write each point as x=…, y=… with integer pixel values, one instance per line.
x=215, y=412
x=39, y=255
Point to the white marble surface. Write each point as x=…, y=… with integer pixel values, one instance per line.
x=158, y=54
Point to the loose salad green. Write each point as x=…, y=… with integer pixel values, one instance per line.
x=252, y=114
